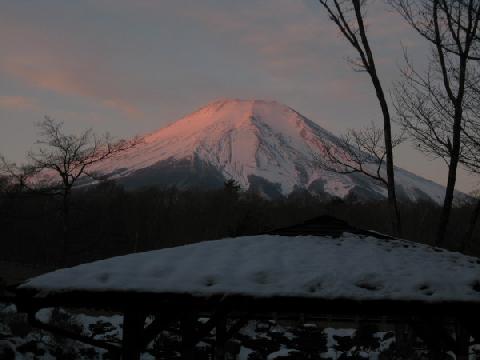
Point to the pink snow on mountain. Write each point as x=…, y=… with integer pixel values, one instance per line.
x=265, y=139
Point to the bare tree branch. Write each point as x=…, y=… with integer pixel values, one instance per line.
x=359, y=151
x=62, y=159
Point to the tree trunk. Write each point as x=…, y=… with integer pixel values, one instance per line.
x=457, y=102
x=65, y=225
x=392, y=195
x=454, y=157
x=448, y=202
x=387, y=128
x=387, y=131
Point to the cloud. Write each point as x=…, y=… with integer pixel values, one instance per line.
x=70, y=82
x=125, y=107
x=50, y=63
x=175, y=50
x=281, y=33
x=295, y=35
x=16, y=102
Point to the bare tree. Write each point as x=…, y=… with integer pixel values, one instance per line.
x=349, y=16
x=434, y=106
x=359, y=151
x=61, y=160
x=15, y=176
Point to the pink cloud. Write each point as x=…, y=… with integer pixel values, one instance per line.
x=65, y=82
x=14, y=102
x=124, y=107
x=49, y=62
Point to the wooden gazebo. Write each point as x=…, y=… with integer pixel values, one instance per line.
x=321, y=270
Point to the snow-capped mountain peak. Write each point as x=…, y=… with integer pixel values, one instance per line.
x=260, y=144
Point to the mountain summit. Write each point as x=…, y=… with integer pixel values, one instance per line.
x=263, y=145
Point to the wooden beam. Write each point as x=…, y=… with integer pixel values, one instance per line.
x=159, y=324
x=205, y=329
x=462, y=340
x=207, y=305
x=132, y=345
x=187, y=329
x=220, y=338
x=404, y=339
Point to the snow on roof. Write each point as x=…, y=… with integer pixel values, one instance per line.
x=350, y=266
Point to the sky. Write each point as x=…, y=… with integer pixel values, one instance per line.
x=129, y=67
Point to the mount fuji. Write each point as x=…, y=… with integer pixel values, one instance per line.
x=263, y=145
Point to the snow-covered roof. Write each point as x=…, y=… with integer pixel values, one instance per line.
x=349, y=266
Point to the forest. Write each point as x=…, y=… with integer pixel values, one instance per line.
x=106, y=220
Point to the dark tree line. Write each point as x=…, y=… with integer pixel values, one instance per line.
x=107, y=220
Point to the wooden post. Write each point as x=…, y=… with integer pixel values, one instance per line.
x=462, y=341
x=188, y=336
x=133, y=323
x=404, y=338
x=434, y=336
x=220, y=338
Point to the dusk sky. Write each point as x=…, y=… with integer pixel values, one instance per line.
x=130, y=67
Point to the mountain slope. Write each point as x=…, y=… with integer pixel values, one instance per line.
x=263, y=145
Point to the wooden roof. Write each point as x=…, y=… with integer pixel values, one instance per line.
x=325, y=226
